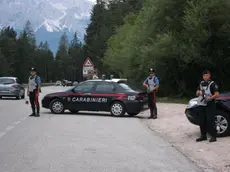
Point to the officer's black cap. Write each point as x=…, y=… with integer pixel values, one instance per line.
x=32, y=69
x=151, y=70
x=206, y=72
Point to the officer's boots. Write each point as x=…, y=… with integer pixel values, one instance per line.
x=38, y=112
x=33, y=111
x=201, y=138
x=152, y=114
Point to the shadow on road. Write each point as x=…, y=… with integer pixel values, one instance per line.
x=96, y=114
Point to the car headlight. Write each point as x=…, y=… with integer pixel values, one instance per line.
x=192, y=103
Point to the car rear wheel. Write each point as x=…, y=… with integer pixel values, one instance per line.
x=222, y=121
x=133, y=114
x=57, y=106
x=117, y=109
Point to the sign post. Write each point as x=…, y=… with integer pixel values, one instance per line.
x=87, y=67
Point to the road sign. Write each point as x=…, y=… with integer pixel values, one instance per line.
x=87, y=66
x=88, y=63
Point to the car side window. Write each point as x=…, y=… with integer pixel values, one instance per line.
x=85, y=87
x=105, y=87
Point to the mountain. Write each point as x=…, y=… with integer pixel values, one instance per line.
x=49, y=18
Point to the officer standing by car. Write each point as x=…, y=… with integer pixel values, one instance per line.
x=33, y=90
x=152, y=85
x=208, y=91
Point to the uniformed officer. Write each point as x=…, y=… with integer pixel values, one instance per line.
x=95, y=75
x=207, y=92
x=152, y=85
x=33, y=90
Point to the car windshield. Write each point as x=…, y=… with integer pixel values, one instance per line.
x=6, y=81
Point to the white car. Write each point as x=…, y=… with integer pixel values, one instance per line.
x=58, y=83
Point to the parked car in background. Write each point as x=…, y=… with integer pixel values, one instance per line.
x=11, y=87
x=58, y=83
x=67, y=83
x=75, y=83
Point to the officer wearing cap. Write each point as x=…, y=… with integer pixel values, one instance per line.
x=152, y=85
x=33, y=90
x=207, y=92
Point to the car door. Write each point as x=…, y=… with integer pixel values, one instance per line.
x=104, y=92
x=22, y=89
x=82, y=95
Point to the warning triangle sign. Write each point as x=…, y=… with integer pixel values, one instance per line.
x=88, y=63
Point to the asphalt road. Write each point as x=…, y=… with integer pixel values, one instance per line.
x=81, y=143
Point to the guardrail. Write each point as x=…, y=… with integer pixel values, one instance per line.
x=43, y=84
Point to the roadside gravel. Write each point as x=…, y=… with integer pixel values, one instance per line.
x=173, y=125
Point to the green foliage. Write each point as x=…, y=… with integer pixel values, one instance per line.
x=105, y=18
x=177, y=38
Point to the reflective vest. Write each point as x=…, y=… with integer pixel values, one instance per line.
x=207, y=93
x=151, y=83
x=32, y=83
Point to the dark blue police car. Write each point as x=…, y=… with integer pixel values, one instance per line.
x=113, y=96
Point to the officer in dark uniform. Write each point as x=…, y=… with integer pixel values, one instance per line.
x=208, y=91
x=152, y=85
x=33, y=90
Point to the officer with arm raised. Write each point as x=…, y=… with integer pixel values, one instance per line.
x=208, y=91
x=152, y=85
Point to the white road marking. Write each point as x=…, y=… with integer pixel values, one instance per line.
x=10, y=127
x=2, y=134
x=16, y=122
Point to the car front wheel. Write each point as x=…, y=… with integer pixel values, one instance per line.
x=117, y=109
x=57, y=106
x=222, y=121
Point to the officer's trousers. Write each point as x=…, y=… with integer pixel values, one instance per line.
x=207, y=122
x=152, y=103
x=34, y=101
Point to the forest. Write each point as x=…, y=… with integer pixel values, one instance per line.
x=179, y=39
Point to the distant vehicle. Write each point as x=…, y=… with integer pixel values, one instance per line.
x=113, y=96
x=222, y=118
x=75, y=83
x=67, y=83
x=58, y=83
x=11, y=87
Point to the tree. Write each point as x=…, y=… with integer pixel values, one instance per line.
x=105, y=17
x=63, y=60
x=77, y=56
x=4, y=65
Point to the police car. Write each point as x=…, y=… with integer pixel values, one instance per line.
x=113, y=96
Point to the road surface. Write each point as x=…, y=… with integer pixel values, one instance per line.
x=81, y=143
